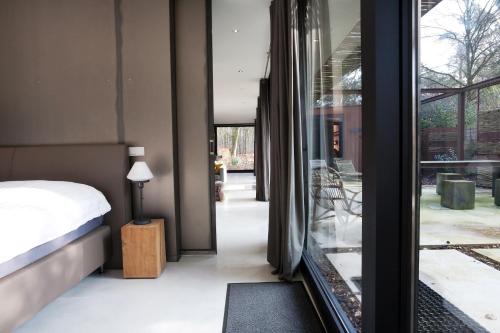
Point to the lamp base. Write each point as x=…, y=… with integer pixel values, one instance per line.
x=142, y=221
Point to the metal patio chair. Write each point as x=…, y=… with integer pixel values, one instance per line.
x=346, y=169
x=328, y=192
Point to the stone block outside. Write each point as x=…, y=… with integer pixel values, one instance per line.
x=458, y=194
x=442, y=176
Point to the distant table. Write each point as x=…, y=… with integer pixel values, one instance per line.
x=494, y=164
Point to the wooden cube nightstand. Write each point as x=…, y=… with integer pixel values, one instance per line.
x=143, y=248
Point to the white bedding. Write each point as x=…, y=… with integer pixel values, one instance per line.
x=35, y=212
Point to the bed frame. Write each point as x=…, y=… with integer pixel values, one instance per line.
x=26, y=291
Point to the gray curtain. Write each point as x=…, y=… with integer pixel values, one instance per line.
x=262, y=144
x=286, y=205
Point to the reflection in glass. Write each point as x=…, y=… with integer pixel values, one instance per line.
x=333, y=129
x=459, y=129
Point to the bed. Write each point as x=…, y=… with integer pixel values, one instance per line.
x=79, y=197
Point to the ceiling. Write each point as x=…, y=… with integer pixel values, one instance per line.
x=346, y=43
x=240, y=39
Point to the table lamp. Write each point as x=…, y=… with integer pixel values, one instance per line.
x=140, y=174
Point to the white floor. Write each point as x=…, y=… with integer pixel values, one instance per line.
x=188, y=297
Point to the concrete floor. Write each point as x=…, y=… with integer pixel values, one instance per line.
x=190, y=294
x=440, y=225
x=493, y=254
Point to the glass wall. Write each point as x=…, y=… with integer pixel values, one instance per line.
x=235, y=147
x=334, y=164
x=459, y=132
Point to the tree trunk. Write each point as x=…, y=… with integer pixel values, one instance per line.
x=234, y=140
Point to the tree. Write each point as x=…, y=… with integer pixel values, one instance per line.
x=477, y=45
x=439, y=114
x=235, y=133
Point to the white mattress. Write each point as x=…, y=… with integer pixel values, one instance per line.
x=35, y=212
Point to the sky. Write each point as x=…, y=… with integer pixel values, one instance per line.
x=434, y=53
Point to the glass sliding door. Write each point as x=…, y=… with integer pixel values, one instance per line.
x=333, y=129
x=459, y=131
x=235, y=147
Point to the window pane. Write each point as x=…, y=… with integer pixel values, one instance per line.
x=235, y=147
x=333, y=129
x=459, y=120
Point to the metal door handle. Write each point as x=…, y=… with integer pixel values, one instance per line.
x=212, y=147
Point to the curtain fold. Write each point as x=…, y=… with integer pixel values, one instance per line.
x=262, y=143
x=286, y=206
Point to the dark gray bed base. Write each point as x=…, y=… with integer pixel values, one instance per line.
x=43, y=250
x=27, y=291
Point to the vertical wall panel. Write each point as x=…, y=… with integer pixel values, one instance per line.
x=192, y=106
x=147, y=103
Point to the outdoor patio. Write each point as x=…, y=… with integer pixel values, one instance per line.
x=460, y=251
x=444, y=226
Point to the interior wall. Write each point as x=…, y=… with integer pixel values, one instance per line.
x=92, y=71
x=57, y=72
x=192, y=107
x=147, y=104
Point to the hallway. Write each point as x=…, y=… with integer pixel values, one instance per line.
x=242, y=221
x=190, y=294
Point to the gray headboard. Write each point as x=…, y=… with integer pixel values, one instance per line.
x=102, y=166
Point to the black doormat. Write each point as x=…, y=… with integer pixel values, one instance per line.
x=269, y=307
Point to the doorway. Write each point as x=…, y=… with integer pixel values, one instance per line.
x=240, y=38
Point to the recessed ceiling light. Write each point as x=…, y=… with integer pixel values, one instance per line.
x=235, y=30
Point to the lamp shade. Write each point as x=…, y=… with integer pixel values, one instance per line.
x=140, y=172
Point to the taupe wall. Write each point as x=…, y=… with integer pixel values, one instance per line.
x=147, y=102
x=57, y=72
x=192, y=107
x=67, y=75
